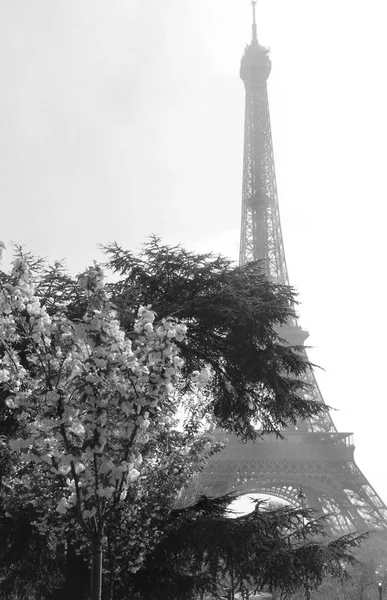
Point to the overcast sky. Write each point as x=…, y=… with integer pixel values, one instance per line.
x=125, y=117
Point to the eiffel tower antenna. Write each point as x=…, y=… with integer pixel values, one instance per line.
x=254, y=38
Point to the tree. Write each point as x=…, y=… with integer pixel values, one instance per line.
x=96, y=380
x=87, y=399
x=204, y=551
x=233, y=317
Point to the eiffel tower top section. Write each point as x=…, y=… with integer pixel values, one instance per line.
x=255, y=56
x=261, y=235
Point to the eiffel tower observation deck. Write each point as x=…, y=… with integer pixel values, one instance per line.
x=313, y=455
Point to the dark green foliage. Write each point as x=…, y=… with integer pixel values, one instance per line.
x=206, y=551
x=35, y=568
x=233, y=316
x=31, y=568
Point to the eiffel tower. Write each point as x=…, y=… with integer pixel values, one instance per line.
x=313, y=456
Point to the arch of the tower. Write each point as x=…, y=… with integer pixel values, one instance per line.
x=322, y=493
x=319, y=495
x=322, y=464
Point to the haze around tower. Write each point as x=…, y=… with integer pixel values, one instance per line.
x=125, y=118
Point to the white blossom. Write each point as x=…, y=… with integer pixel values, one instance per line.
x=89, y=398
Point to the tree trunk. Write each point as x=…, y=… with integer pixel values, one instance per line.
x=96, y=581
x=111, y=562
x=232, y=593
x=111, y=586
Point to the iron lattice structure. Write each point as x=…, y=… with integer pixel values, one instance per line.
x=313, y=454
x=261, y=235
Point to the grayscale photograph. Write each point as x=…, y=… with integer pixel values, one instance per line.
x=192, y=291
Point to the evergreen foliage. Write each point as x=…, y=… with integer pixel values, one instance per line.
x=233, y=315
x=206, y=551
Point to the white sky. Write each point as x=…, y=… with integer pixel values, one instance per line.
x=123, y=118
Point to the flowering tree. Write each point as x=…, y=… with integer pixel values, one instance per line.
x=87, y=399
